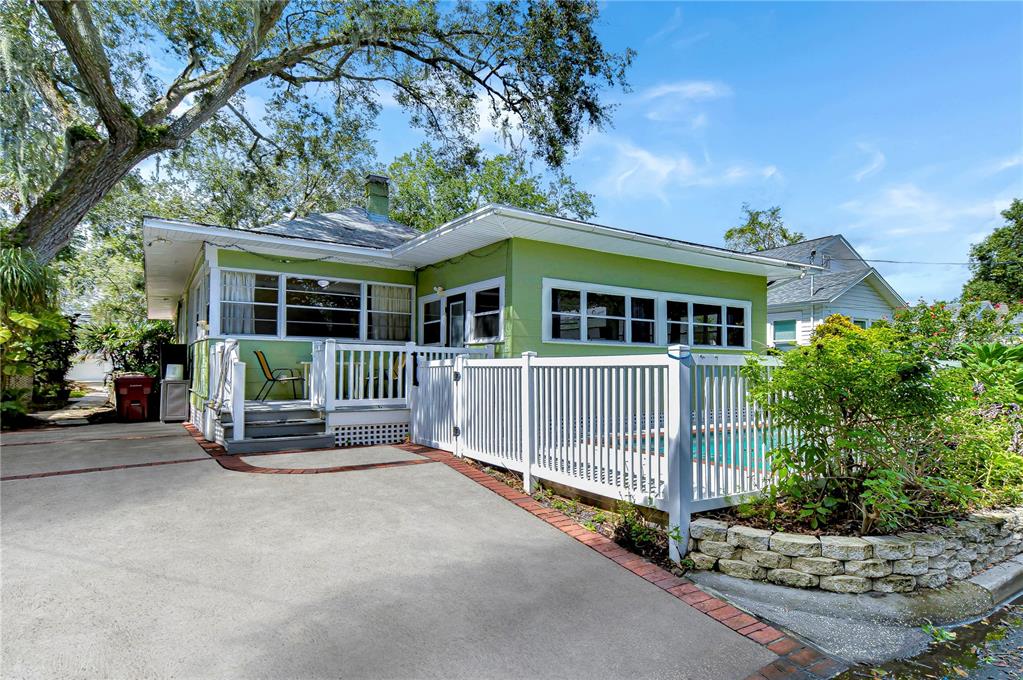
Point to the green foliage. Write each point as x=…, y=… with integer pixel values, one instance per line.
x=761, y=230
x=869, y=407
x=131, y=346
x=35, y=338
x=537, y=72
x=993, y=364
x=27, y=284
x=631, y=531
x=941, y=329
x=997, y=261
x=432, y=187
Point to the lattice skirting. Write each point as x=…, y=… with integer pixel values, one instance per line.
x=368, y=435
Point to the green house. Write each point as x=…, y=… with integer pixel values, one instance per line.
x=498, y=279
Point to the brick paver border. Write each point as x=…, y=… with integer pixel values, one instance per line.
x=796, y=658
x=108, y=468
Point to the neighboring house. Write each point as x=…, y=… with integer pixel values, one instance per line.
x=502, y=277
x=847, y=285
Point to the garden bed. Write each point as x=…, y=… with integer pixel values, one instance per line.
x=846, y=564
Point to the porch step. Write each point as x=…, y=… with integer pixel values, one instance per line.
x=259, y=429
x=275, y=415
x=284, y=443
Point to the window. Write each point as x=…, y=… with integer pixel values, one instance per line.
x=643, y=321
x=431, y=323
x=605, y=317
x=467, y=314
x=678, y=322
x=390, y=312
x=707, y=325
x=784, y=331
x=566, y=315
x=862, y=323
x=249, y=303
x=486, y=318
x=610, y=314
x=254, y=303
x=330, y=310
x=735, y=326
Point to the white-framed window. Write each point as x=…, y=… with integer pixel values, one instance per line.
x=578, y=312
x=302, y=306
x=198, y=308
x=483, y=313
x=784, y=331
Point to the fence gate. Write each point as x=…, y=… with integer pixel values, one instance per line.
x=433, y=422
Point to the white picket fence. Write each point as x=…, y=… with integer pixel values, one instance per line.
x=676, y=432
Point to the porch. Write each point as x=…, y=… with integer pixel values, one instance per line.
x=352, y=394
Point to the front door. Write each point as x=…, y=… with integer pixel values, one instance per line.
x=456, y=320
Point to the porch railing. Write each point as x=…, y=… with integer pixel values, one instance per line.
x=227, y=387
x=357, y=374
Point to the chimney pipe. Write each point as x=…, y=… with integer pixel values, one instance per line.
x=376, y=196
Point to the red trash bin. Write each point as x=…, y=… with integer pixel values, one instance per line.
x=133, y=396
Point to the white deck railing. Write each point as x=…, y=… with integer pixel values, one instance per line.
x=227, y=388
x=368, y=375
x=673, y=431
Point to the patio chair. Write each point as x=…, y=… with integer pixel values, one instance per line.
x=276, y=376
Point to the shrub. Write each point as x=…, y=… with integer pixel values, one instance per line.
x=131, y=346
x=35, y=338
x=870, y=407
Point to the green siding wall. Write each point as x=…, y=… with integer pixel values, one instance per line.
x=240, y=260
x=532, y=261
x=524, y=264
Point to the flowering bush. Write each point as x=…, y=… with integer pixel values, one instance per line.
x=871, y=409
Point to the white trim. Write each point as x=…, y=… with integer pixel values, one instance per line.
x=786, y=316
x=470, y=291
x=661, y=299
x=282, y=306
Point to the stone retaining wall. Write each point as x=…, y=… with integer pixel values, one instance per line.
x=887, y=564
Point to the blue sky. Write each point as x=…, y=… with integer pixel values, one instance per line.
x=898, y=125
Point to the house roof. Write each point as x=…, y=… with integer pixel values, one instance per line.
x=828, y=287
x=172, y=246
x=799, y=252
x=350, y=226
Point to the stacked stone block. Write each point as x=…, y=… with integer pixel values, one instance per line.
x=845, y=564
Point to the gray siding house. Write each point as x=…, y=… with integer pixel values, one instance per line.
x=848, y=285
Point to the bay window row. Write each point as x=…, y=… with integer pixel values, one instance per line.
x=298, y=306
x=596, y=314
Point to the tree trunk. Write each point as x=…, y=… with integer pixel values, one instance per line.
x=86, y=179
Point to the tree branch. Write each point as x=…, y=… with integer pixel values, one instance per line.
x=73, y=24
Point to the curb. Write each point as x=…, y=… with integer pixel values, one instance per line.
x=1004, y=581
x=797, y=658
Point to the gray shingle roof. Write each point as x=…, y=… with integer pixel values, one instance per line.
x=825, y=287
x=797, y=252
x=350, y=227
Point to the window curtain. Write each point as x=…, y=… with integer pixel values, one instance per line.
x=397, y=302
x=238, y=293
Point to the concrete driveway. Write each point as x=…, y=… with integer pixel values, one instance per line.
x=188, y=570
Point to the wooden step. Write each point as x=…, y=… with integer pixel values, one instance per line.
x=274, y=428
x=284, y=443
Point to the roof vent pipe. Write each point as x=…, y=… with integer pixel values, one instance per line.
x=377, y=203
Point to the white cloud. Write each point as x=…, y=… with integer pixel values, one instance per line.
x=669, y=27
x=691, y=90
x=876, y=162
x=905, y=222
x=678, y=102
x=634, y=171
x=1005, y=164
